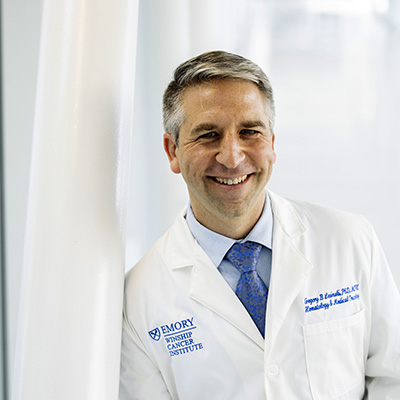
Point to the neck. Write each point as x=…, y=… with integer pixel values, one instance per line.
x=232, y=226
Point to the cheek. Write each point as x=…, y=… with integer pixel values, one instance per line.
x=197, y=160
x=265, y=156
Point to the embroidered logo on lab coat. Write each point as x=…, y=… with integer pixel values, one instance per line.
x=179, y=337
x=332, y=299
x=155, y=334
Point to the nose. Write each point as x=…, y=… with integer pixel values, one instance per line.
x=230, y=152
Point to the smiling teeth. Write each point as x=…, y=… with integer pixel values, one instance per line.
x=231, y=181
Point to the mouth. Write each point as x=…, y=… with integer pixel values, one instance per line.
x=231, y=181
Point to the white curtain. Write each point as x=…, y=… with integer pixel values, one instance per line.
x=71, y=305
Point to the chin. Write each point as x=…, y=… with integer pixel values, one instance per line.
x=232, y=211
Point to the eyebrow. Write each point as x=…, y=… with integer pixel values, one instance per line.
x=202, y=128
x=253, y=124
x=211, y=126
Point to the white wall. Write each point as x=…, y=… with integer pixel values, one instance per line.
x=337, y=89
x=337, y=86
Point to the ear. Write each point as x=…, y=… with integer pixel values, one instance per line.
x=171, y=148
x=273, y=147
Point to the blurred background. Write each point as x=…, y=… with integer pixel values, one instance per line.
x=334, y=66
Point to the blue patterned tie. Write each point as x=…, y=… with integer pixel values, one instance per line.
x=251, y=290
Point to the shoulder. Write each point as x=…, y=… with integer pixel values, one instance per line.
x=319, y=218
x=320, y=214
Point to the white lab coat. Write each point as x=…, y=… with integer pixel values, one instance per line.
x=332, y=324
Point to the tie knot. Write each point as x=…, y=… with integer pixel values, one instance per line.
x=244, y=256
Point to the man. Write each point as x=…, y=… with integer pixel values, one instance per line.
x=249, y=295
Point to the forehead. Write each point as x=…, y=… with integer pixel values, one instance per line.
x=218, y=94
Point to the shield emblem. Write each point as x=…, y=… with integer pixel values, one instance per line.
x=155, y=334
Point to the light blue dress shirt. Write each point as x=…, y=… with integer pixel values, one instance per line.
x=216, y=245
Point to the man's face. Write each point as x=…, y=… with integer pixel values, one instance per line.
x=225, y=151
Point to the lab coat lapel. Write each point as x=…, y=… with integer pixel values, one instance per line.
x=290, y=267
x=209, y=288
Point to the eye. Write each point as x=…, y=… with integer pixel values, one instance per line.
x=249, y=132
x=208, y=135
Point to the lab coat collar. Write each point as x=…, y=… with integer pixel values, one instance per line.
x=179, y=253
x=285, y=213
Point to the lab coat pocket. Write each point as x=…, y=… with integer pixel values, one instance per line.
x=335, y=357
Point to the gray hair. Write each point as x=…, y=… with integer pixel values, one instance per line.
x=206, y=67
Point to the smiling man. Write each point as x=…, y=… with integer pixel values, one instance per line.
x=249, y=295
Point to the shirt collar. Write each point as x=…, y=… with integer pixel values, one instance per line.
x=216, y=245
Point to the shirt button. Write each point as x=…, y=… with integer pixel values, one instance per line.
x=272, y=370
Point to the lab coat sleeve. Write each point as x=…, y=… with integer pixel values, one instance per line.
x=383, y=363
x=140, y=378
